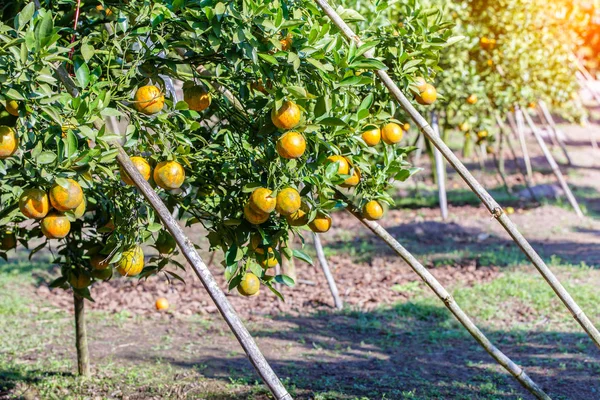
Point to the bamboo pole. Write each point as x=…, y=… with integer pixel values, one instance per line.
x=517, y=122
x=553, y=128
x=554, y=165
x=489, y=202
x=81, y=344
x=440, y=170
x=255, y=356
x=339, y=304
x=448, y=301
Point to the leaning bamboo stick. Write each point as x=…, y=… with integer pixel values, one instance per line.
x=337, y=300
x=448, y=301
x=489, y=202
x=187, y=248
x=554, y=129
x=440, y=170
x=516, y=121
x=554, y=165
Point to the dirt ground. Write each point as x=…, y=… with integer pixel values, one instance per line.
x=392, y=340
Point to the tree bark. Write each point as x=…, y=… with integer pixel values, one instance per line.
x=81, y=343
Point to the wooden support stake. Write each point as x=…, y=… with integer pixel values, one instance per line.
x=339, y=304
x=517, y=124
x=554, y=129
x=554, y=165
x=188, y=250
x=81, y=344
x=440, y=170
x=448, y=301
x=489, y=202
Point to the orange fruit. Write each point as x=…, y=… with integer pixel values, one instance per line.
x=8, y=241
x=8, y=142
x=267, y=260
x=256, y=244
x=80, y=210
x=161, y=304
x=287, y=117
x=261, y=201
x=102, y=274
x=12, y=107
x=490, y=62
x=66, y=198
x=354, y=179
x=148, y=100
x=250, y=285
x=55, y=226
x=197, y=98
x=531, y=105
x=427, y=96
x=420, y=83
x=482, y=134
x=255, y=218
x=80, y=281
x=300, y=217
x=259, y=86
x=98, y=261
x=34, y=203
x=406, y=126
x=321, y=223
x=131, y=262
x=392, y=133
x=344, y=167
x=288, y=201
x=465, y=127
x=372, y=210
x=472, y=99
x=169, y=175
x=141, y=165
x=286, y=43
x=291, y=145
x=484, y=42
x=372, y=137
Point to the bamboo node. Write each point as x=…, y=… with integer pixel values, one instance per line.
x=497, y=212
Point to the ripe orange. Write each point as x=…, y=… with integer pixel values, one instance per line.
x=286, y=43
x=141, y=165
x=465, y=127
x=8, y=241
x=392, y=133
x=427, y=96
x=80, y=281
x=8, y=142
x=287, y=117
x=372, y=210
x=66, y=198
x=420, y=83
x=354, y=179
x=98, y=261
x=169, y=175
x=300, y=217
x=250, y=285
x=161, y=304
x=291, y=145
x=482, y=134
x=484, y=42
x=197, y=98
x=34, y=203
x=261, y=201
x=255, y=218
x=55, y=225
x=531, y=105
x=472, y=99
x=12, y=107
x=372, y=137
x=288, y=201
x=267, y=260
x=344, y=167
x=490, y=62
x=406, y=126
x=321, y=223
x=131, y=262
x=148, y=100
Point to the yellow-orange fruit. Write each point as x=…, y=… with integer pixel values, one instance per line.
x=286, y=117
x=372, y=210
x=472, y=99
x=392, y=133
x=8, y=142
x=372, y=137
x=131, y=262
x=255, y=218
x=197, y=98
x=34, y=203
x=80, y=281
x=80, y=210
x=8, y=241
x=148, y=100
x=291, y=145
x=300, y=217
x=420, y=83
x=288, y=201
x=343, y=166
x=256, y=244
x=354, y=179
x=321, y=223
x=427, y=96
x=12, y=107
x=141, y=165
x=267, y=260
x=161, y=304
x=169, y=175
x=250, y=285
x=66, y=198
x=261, y=201
x=55, y=226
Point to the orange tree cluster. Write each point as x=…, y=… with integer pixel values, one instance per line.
x=278, y=113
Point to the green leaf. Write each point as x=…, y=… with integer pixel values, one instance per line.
x=87, y=51
x=301, y=255
x=286, y=280
x=25, y=16
x=82, y=72
x=46, y=157
x=268, y=58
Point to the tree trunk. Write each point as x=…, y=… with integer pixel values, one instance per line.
x=83, y=355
